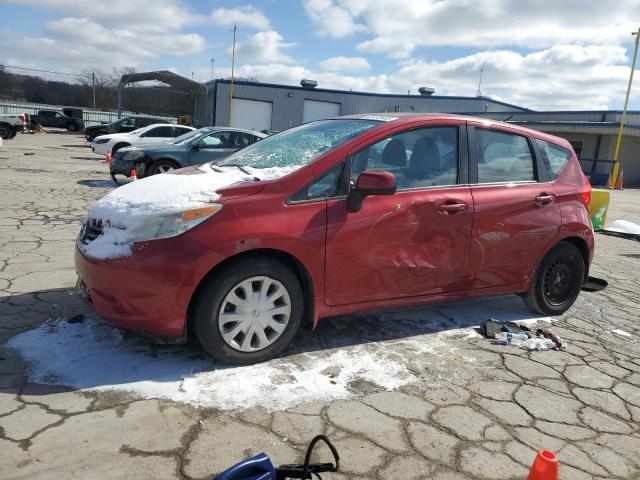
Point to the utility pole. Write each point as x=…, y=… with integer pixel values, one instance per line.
x=616, y=165
x=93, y=81
x=479, y=92
x=233, y=63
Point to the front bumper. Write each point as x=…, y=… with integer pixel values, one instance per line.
x=118, y=166
x=148, y=292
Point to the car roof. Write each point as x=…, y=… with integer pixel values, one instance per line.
x=232, y=129
x=410, y=117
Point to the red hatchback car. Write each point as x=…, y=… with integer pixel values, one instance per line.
x=336, y=216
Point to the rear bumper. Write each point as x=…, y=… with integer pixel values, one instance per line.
x=148, y=292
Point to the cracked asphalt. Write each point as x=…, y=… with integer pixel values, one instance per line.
x=488, y=412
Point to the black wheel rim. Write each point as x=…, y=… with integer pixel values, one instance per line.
x=559, y=283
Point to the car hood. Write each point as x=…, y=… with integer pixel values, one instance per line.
x=125, y=210
x=111, y=136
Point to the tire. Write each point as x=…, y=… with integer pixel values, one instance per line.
x=117, y=147
x=71, y=127
x=557, y=281
x=6, y=132
x=162, y=166
x=221, y=292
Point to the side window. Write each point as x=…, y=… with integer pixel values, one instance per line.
x=159, y=132
x=503, y=157
x=253, y=139
x=325, y=186
x=217, y=140
x=554, y=156
x=127, y=123
x=424, y=157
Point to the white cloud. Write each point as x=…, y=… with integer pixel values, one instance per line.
x=78, y=42
x=332, y=20
x=264, y=47
x=561, y=77
x=246, y=16
x=142, y=15
x=398, y=27
x=345, y=64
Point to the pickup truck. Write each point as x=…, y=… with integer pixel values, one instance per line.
x=52, y=118
x=11, y=124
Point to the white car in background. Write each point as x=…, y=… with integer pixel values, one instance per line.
x=156, y=133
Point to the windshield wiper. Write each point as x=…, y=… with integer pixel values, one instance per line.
x=241, y=168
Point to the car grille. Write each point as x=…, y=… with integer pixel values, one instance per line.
x=91, y=230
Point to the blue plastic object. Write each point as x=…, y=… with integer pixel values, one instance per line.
x=254, y=468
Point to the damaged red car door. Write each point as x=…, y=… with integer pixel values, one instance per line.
x=415, y=241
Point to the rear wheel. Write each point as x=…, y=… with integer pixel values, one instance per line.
x=71, y=127
x=558, y=280
x=162, y=166
x=249, y=311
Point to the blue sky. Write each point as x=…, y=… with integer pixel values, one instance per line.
x=544, y=55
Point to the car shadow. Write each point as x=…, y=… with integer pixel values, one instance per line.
x=98, y=183
x=87, y=158
x=76, y=349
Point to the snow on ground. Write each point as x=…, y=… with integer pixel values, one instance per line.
x=127, y=209
x=376, y=348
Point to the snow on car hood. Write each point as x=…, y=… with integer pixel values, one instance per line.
x=124, y=210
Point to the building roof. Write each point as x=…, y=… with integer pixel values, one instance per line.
x=167, y=77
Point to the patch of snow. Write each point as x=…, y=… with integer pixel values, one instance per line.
x=125, y=210
x=621, y=333
x=384, y=349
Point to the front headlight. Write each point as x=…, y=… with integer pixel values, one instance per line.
x=133, y=155
x=171, y=225
x=101, y=140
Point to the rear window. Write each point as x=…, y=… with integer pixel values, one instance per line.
x=554, y=157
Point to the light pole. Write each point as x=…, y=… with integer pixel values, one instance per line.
x=93, y=81
x=212, y=62
x=616, y=165
x=233, y=63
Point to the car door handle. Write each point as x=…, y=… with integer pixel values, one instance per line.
x=451, y=208
x=544, y=199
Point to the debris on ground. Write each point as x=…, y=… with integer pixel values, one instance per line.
x=624, y=228
x=29, y=153
x=76, y=319
x=510, y=333
x=594, y=284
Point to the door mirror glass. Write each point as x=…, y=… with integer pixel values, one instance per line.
x=370, y=182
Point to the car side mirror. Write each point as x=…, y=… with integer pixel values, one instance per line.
x=199, y=145
x=370, y=182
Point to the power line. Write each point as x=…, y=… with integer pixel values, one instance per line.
x=45, y=71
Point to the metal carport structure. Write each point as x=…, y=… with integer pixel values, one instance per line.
x=202, y=98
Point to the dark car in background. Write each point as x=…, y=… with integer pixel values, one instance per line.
x=123, y=125
x=53, y=118
x=194, y=148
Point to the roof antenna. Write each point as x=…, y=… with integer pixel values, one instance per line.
x=479, y=92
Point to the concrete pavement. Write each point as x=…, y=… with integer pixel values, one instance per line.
x=475, y=411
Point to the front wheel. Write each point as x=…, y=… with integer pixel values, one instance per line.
x=162, y=166
x=249, y=311
x=558, y=280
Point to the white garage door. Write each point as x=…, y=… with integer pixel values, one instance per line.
x=314, y=110
x=251, y=114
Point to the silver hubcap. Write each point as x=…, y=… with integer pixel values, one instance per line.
x=165, y=168
x=254, y=314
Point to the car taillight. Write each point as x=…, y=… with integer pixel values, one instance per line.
x=22, y=118
x=585, y=192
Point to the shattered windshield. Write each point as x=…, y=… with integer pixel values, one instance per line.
x=299, y=145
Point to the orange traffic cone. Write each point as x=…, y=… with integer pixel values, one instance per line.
x=133, y=175
x=107, y=158
x=619, y=180
x=545, y=466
